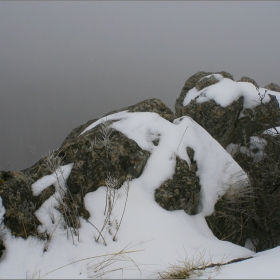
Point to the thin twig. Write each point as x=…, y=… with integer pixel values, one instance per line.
x=99, y=232
x=182, y=137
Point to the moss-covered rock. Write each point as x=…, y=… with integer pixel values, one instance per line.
x=20, y=204
x=182, y=191
x=150, y=105
x=92, y=164
x=219, y=121
x=225, y=123
x=191, y=83
x=273, y=87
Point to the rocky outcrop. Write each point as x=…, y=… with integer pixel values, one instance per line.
x=254, y=213
x=224, y=123
x=219, y=121
x=182, y=191
x=103, y=152
x=195, y=81
x=151, y=105
x=93, y=162
x=90, y=170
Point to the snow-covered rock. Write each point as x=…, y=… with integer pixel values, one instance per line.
x=128, y=194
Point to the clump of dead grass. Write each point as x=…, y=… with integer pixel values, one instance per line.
x=193, y=267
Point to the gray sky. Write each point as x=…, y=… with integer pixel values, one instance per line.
x=64, y=63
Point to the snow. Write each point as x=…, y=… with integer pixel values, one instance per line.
x=227, y=91
x=149, y=237
x=273, y=131
x=57, y=179
x=115, y=116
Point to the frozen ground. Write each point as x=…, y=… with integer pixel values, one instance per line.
x=149, y=238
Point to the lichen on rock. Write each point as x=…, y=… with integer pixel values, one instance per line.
x=248, y=80
x=219, y=121
x=273, y=87
x=182, y=191
x=206, y=82
x=191, y=83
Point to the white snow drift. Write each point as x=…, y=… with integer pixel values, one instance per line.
x=151, y=237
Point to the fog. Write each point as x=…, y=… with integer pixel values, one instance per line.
x=64, y=63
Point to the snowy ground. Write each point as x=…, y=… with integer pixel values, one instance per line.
x=149, y=238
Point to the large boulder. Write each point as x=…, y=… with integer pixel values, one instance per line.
x=150, y=105
x=219, y=121
x=93, y=163
x=255, y=213
x=196, y=80
x=103, y=152
x=225, y=123
x=94, y=159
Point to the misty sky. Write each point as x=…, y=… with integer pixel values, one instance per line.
x=64, y=63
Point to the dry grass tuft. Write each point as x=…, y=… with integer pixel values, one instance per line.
x=186, y=268
x=194, y=267
x=99, y=265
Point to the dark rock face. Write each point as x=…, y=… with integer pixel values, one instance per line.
x=182, y=191
x=220, y=122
